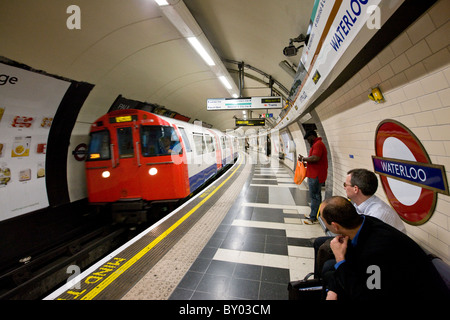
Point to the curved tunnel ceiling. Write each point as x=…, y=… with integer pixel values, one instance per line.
x=130, y=48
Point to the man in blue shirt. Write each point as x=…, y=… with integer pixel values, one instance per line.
x=374, y=260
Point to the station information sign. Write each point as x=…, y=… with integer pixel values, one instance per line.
x=411, y=182
x=244, y=103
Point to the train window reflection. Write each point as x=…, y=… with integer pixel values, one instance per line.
x=209, y=143
x=185, y=140
x=159, y=141
x=99, y=146
x=125, y=140
x=200, y=145
x=224, y=146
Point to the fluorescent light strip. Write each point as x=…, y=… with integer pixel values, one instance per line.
x=225, y=82
x=179, y=15
x=162, y=3
x=201, y=51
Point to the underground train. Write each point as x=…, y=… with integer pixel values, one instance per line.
x=136, y=159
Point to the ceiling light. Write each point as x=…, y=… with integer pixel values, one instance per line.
x=201, y=51
x=225, y=82
x=181, y=18
x=162, y=2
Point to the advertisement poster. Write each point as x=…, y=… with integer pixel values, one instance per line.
x=28, y=103
x=286, y=139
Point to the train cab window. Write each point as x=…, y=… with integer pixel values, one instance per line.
x=185, y=140
x=210, y=144
x=159, y=141
x=125, y=140
x=200, y=146
x=99, y=146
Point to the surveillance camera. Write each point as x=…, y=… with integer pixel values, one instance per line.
x=290, y=51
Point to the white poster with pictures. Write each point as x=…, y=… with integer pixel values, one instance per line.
x=28, y=103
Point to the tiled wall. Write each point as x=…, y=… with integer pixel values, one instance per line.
x=413, y=73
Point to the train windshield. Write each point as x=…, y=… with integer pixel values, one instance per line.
x=159, y=141
x=99, y=148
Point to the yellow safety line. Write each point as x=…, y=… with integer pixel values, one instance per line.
x=94, y=292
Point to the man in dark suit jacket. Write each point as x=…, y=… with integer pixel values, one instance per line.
x=375, y=260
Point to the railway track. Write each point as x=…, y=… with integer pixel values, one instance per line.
x=34, y=277
x=39, y=275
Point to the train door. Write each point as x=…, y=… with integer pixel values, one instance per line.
x=196, y=169
x=127, y=161
x=210, y=157
x=233, y=149
x=225, y=150
x=230, y=148
x=216, y=142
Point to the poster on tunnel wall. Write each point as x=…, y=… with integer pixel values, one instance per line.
x=28, y=103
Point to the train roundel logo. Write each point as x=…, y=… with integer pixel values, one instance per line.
x=409, y=179
x=80, y=152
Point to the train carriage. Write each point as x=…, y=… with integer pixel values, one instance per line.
x=136, y=158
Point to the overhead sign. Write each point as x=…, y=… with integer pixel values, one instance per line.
x=250, y=122
x=408, y=177
x=122, y=103
x=244, y=103
x=335, y=25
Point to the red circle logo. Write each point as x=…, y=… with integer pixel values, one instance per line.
x=80, y=152
x=413, y=203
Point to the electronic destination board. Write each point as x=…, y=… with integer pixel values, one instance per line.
x=244, y=103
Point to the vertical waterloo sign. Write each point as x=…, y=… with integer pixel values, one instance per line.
x=411, y=182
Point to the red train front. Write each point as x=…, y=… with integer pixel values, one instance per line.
x=130, y=160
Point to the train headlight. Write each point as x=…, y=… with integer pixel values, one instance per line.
x=152, y=171
x=106, y=174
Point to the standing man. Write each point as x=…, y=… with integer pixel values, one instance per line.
x=316, y=172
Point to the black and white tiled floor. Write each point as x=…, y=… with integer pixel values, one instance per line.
x=259, y=247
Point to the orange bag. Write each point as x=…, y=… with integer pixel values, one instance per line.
x=300, y=172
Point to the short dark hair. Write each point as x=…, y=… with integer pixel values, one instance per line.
x=310, y=133
x=338, y=209
x=365, y=180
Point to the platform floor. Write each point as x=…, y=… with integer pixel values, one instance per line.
x=260, y=244
x=242, y=238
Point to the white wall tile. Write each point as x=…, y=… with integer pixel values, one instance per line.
x=434, y=82
x=414, y=75
x=418, y=52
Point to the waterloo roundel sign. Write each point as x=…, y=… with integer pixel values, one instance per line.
x=409, y=179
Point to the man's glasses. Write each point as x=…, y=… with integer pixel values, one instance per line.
x=347, y=185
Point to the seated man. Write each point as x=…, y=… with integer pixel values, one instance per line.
x=360, y=187
x=375, y=260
